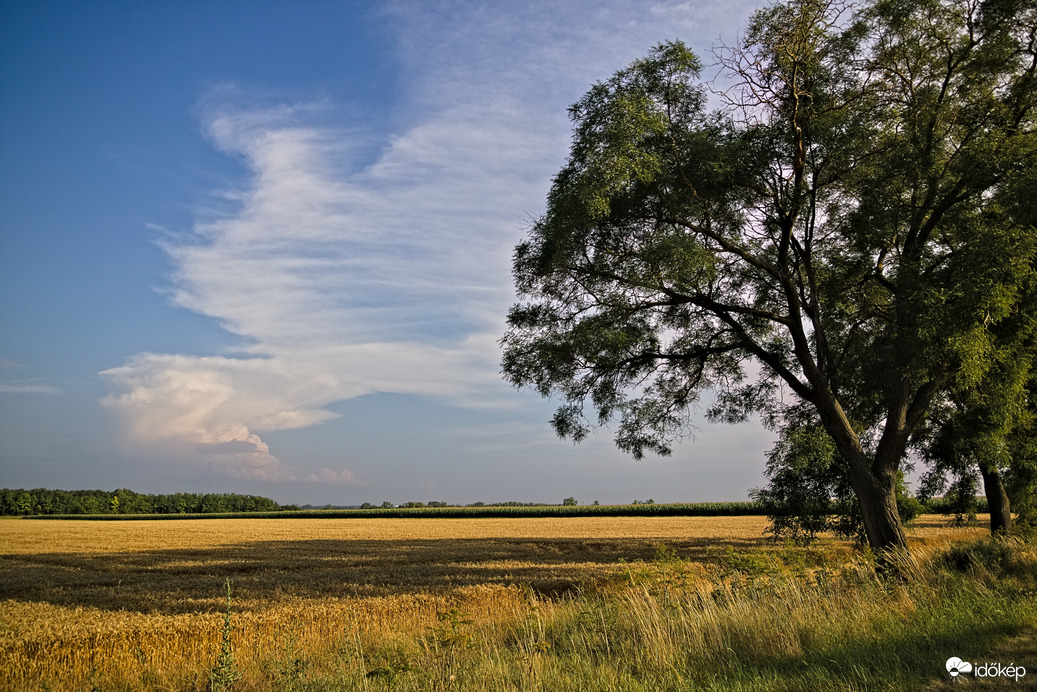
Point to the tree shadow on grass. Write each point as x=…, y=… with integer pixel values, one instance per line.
x=907, y=659
x=189, y=580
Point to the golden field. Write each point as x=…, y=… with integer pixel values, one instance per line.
x=141, y=604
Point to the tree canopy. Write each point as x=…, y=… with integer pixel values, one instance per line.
x=41, y=501
x=848, y=231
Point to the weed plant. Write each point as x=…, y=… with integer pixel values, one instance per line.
x=224, y=672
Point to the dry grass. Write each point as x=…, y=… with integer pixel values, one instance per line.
x=137, y=605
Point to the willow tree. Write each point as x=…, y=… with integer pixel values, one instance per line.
x=835, y=232
x=990, y=428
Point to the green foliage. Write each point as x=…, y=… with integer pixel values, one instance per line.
x=453, y=631
x=988, y=428
x=1021, y=476
x=852, y=221
x=516, y=510
x=224, y=672
x=761, y=628
x=694, y=509
x=288, y=671
x=43, y=502
x=997, y=560
x=809, y=491
x=950, y=505
x=390, y=663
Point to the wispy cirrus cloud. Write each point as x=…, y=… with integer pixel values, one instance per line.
x=29, y=387
x=391, y=275
x=24, y=386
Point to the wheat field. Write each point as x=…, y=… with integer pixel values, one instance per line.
x=142, y=604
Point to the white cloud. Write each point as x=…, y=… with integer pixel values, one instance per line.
x=331, y=477
x=343, y=280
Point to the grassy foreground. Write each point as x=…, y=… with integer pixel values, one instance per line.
x=606, y=606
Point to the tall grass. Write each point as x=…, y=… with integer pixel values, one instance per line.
x=793, y=619
x=764, y=629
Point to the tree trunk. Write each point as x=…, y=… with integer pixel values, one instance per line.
x=878, y=503
x=876, y=492
x=997, y=501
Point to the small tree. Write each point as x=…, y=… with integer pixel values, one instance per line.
x=1021, y=477
x=809, y=491
x=989, y=432
x=569, y=502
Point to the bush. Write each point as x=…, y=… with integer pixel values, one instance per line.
x=810, y=492
x=996, y=556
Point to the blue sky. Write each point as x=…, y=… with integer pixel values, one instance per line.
x=265, y=247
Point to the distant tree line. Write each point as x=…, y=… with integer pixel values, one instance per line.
x=41, y=501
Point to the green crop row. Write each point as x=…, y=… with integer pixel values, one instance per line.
x=693, y=509
x=697, y=509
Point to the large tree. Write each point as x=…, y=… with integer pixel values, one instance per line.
x=836, y=231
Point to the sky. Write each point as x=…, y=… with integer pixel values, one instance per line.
x=265, y=247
